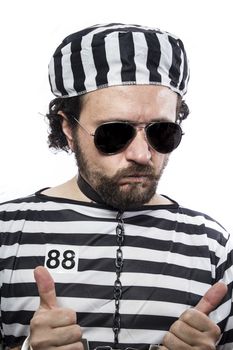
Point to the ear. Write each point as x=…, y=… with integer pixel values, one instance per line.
x=66, y=129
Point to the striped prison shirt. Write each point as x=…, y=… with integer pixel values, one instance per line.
x=171, y=255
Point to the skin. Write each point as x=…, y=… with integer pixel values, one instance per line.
x=141, y=104
x=53, y=326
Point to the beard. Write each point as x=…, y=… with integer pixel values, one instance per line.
x=129, y=196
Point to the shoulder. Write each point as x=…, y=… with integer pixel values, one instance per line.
x=11, y=209
x=17, y=202
x=205, y=224
x=192, y=222
x=200, y=218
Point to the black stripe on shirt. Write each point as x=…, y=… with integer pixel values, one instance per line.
x=150, y=322
x=108, y=265
x=109, y=240
x=78, y=290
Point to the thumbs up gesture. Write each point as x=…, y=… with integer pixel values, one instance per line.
x=52, y=326
x=194, y=329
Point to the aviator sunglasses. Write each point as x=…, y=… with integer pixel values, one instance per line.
x=113, y=137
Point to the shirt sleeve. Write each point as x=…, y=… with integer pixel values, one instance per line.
x=223, y=314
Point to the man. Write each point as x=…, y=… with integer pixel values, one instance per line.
x=104, y=260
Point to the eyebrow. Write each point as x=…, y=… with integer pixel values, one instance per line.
x=161, y=119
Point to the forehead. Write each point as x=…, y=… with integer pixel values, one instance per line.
x=136, y=103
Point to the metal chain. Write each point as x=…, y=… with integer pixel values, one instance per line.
x=120, y=235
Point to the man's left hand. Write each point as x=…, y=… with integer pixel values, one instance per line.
x=194, y=329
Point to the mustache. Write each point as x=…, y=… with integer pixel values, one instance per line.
x=144, y=170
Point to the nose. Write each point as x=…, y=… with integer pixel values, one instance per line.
x=139, y=150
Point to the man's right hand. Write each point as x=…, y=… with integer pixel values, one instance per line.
x=53, y=326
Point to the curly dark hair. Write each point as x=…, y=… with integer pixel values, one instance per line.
x=71, y=107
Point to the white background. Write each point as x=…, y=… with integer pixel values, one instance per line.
x=200, y=172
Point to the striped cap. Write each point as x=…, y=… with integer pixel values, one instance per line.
x=118, y=54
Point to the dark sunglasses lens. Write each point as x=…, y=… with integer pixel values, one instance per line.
x=164, y=137
x=111, y=138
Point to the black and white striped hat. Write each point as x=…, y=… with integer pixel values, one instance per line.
x=118, y=54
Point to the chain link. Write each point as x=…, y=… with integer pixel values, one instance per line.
x=119, y=262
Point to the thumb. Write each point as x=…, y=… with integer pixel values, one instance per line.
x=212, y=298
x=46, y=287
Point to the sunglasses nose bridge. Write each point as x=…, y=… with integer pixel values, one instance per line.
x=138, y=149
x=139, y=128
x=142, y=128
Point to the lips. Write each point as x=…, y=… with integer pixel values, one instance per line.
x=135, y=178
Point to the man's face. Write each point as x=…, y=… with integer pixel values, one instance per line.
x=129, y=178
